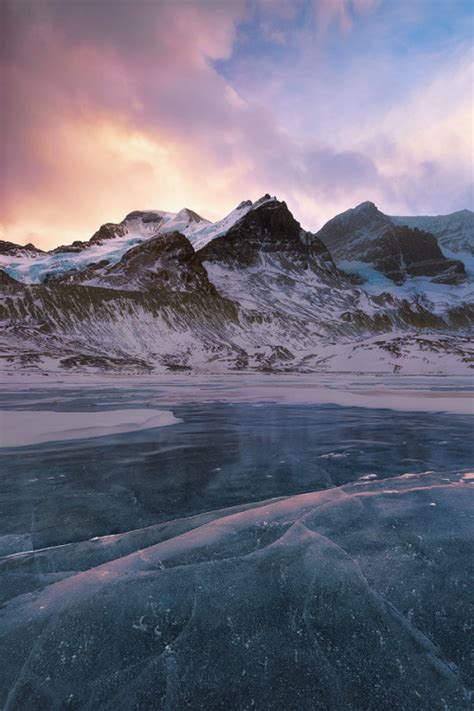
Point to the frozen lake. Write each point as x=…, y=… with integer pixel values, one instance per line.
x=160, y=580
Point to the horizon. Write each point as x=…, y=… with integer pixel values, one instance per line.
x=324, y=102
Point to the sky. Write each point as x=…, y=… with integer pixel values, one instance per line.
x=119, y=105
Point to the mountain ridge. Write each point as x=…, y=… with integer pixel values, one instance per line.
x=254, y=291
x=366, y=234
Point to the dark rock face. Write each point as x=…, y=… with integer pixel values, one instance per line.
x=402, y=252
x=454, y=231
x=144, y=216
x=365, y=234
x=108, y=231
x=163, y=262
x=7, y=280
x=270, y=228
x=18, y=250
x=422, y=256
x=77, y=246
x=105, y=232
x=344, y=233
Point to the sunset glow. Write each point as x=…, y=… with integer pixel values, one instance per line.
x=115, y=106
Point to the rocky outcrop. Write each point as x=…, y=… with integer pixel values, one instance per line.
x=364, y=234
x=7, y=280
x=269, y=229
x=18, y=250
x=105, y=232
x=454, y=232
x=164, y=262
x=108, y=231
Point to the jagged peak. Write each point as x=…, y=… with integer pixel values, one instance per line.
x=365, y=206
x=265, y=198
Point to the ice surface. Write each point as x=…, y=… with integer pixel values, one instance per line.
x=26, y=427
x=350, y=598
x=182, y=567
x=408, y=394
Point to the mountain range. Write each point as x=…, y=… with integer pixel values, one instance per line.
x=165, y=291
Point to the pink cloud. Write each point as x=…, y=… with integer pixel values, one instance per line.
x=107, y=112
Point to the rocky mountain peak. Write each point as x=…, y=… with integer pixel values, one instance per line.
x=270, y=229
x=18, y=250
x=367, y=207
x=365, y=234
x=108, y=231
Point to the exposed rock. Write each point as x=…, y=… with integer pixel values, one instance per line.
x=367, y=235
x=108, y=231
x=18, y=250
x=163, y=262
x=454, y=232
x=74, y=248
x=269, y=229
x=146, y=217
x=7, y=280
x=104, y=233
x=77, y=276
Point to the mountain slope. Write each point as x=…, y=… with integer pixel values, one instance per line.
x=365, y=234
x=64, y=327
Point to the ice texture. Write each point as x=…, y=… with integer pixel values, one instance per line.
x=264, y=553
x=351, y=598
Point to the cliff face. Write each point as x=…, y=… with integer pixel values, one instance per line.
x=365, y=234
x=269, y=228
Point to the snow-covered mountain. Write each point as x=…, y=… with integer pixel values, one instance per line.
x=111, y=241
x=364, y=234
x=252, y=291
x=165, y=261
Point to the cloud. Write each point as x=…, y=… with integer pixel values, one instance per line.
x=106, y=112
x=341, y=13
x=148, y=106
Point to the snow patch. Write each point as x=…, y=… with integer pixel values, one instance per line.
x=26, y=427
